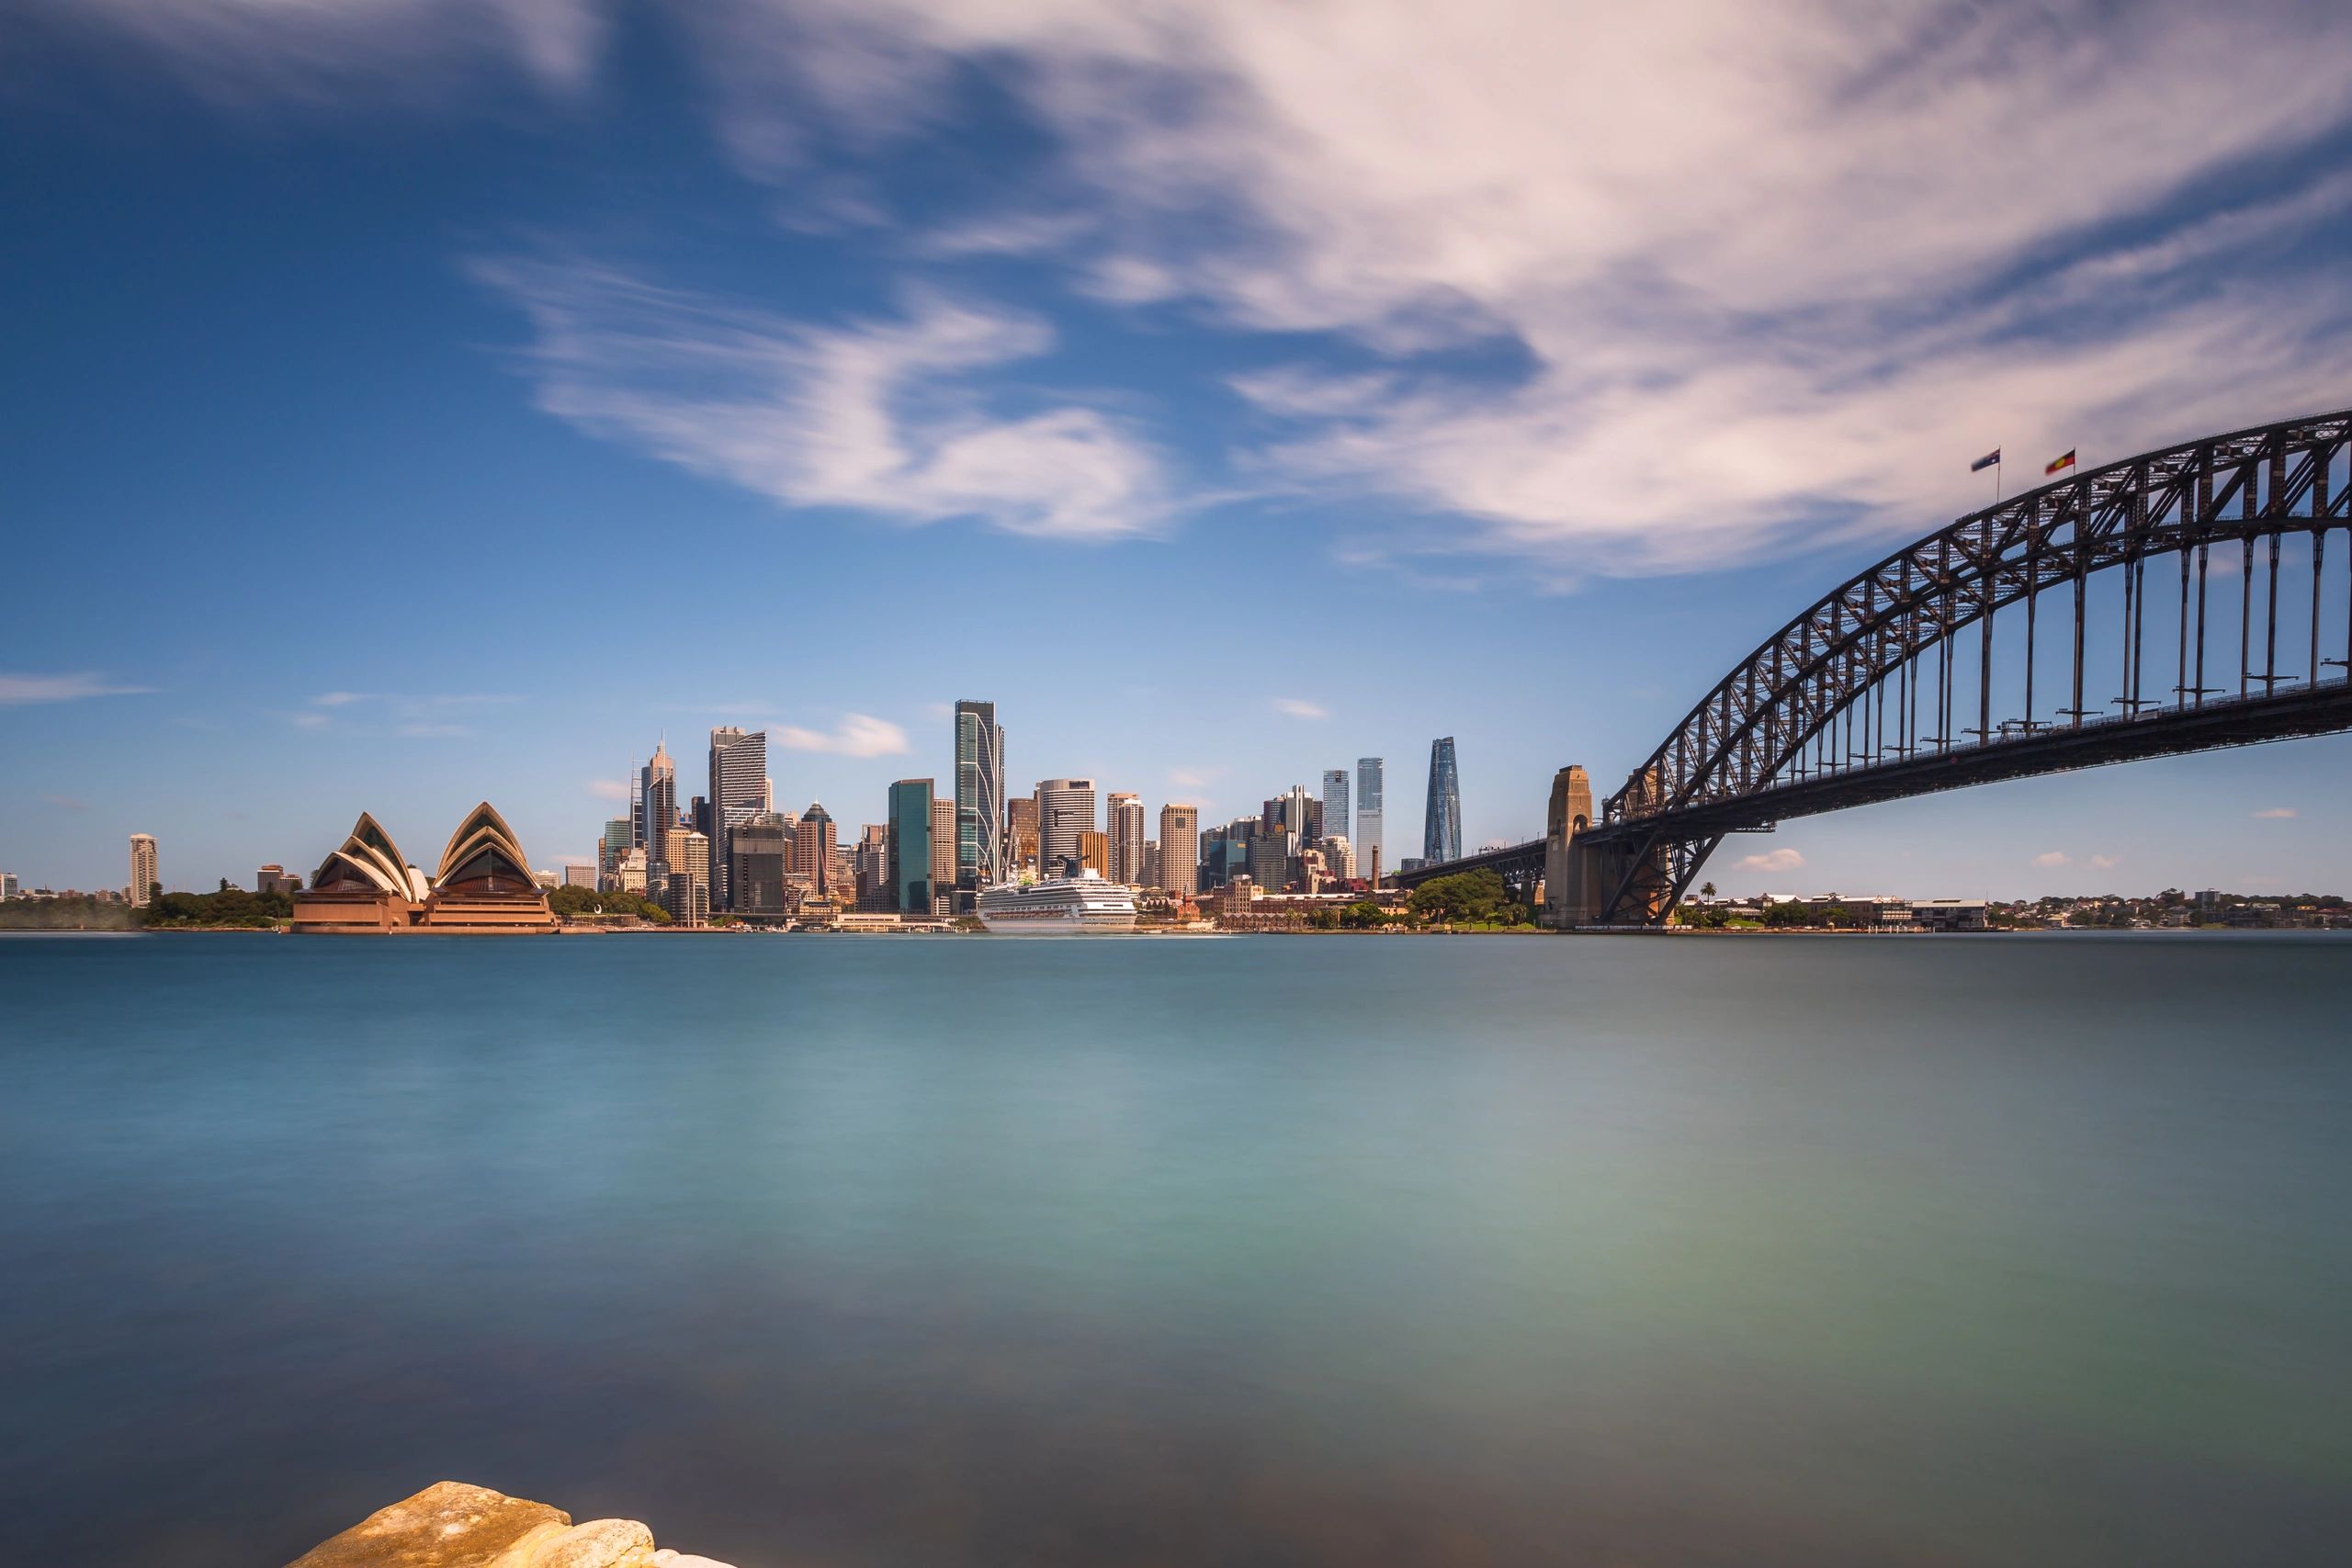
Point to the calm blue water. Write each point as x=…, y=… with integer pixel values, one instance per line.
x=1330, y=1251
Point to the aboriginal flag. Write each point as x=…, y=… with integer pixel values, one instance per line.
x=1986, y=462
x=2057, y=463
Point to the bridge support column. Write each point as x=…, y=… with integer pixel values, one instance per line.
x=1572, y=892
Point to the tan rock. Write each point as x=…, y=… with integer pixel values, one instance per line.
x=448, y=1524
x=600, y=1543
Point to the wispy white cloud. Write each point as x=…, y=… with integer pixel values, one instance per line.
x=2049, y=860
x=71, y=688
x=1299, y=707
x=1194, y=777
x=1766, y=270
x=1781, y=859
x=2105, y=863
x=66, y=802
x=857, y=735
x=877, y=416
x=328, y=53
x=2275, y=814
x=608, y=789
x=429, y=718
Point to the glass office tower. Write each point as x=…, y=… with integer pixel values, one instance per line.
x=1370, y=776
x=1441, y=829
x=979, y=796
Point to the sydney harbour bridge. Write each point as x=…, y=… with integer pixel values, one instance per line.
x=2030, y=637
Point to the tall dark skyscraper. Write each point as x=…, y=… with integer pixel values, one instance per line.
x=980, y=796
x=1441, y=830
x=739, y=783
x=910, y=847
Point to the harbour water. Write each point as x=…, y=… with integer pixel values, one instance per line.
x=859, y=1252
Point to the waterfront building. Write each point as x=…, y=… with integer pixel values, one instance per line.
x=813, y=850
x=1021, y=832
x=1442, y=825
x=484, y=884
x=659, y=811
x=7, y=884
x=273, y=879
x=759, y=860
x=1064, y=810
x=1094, y=853
x=910, y=862
x=1335, y=804
x=980, y=796
x=143, y=876
x=1180, y=850
x=739, y=792
x=1370, y=781
x=1124, y=825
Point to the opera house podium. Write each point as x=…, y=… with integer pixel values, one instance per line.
x=483, y=886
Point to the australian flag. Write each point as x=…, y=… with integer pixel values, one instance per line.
x=1986, y=462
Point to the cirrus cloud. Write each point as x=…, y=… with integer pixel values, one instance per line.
x=857, y=735
x=1299, y=707
x=20, y=688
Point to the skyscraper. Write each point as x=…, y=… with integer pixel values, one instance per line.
x=616, y=844
x=1125, y=825
x=812, y=849
x=1064, y=810
x=738, y=772
x=685, y=890
x=943, y=844
x=659, y=797
x=1441, y=827
x=1180, y=850
x=1369, y=772
x=1335, y=804
x=143, y=876
x=909, y=857
x=980, y=796
x=1094, y=853
x=761, y=853
x=1020, y=832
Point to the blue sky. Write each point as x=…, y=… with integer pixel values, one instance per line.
x=415, y=401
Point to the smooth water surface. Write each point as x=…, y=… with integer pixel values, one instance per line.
x=1315, y=1251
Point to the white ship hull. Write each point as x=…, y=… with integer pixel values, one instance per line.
x=1075, y=906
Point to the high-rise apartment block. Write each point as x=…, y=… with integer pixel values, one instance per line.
x=738, y=790
x=1179, y=848
x=143, y=876
x=979, y=796
x=1124, y=822
x=1370, y=771
x=685, y=889
x=1064, y=810
x=1442, y=826
x=909, y=872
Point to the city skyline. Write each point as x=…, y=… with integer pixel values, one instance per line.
x=941, y=350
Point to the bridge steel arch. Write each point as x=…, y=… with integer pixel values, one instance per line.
x=1801, y=725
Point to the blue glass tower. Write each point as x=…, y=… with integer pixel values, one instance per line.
x=1441, y=829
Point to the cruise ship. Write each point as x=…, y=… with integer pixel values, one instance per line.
x=1064, y=906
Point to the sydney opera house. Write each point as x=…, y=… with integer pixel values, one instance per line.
x=484, y=884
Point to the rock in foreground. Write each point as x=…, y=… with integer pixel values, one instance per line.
x=452, y=1525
